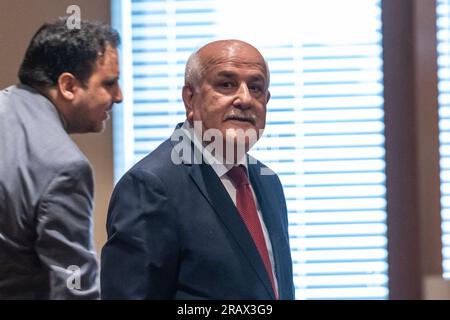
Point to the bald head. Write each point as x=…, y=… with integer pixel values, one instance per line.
x=214, y=53
x=227, y=91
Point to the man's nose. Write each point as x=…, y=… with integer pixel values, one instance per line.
x=243, y=96
x=118, y=95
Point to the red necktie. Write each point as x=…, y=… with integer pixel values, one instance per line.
x=245, y=204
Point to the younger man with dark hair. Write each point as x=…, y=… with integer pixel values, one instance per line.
x=69, y=83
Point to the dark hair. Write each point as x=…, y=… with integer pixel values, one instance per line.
x=55, y=48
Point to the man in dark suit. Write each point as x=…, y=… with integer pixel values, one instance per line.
x=199, y=220
x=68, y=85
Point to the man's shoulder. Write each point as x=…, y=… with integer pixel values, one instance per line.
x=20, y=93
x=9, y=91
x=158, y=159
x=25, y=109
x=154, y=171
x=158, y=163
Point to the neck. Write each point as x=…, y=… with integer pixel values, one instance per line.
x=51, y=93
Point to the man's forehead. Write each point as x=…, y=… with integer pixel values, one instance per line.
x=231, y=50
x=220, y=57
x=109, y=55
x=107, y=64
x=230, y=68
x=236, y=68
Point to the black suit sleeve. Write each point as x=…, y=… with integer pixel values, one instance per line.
x=140, y=258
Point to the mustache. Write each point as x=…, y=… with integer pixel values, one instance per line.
x=242, y=117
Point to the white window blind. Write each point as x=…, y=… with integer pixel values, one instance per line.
x=443, y=52
x=325, y=132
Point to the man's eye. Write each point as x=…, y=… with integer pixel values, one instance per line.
x=227, y=84
x=256, y=88
x=109, y=83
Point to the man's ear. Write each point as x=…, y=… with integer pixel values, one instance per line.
x=268, y=96
x=188, y=95
x=67, y=85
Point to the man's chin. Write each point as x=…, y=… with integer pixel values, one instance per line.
x=239, y=125
x=99, y=127
x=102, y=127
x=241, y=141
x=240, y=134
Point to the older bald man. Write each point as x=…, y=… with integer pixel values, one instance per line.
x=198, y=218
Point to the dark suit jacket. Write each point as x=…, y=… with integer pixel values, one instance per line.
x=175, y=233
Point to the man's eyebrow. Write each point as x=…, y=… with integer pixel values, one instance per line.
x=228, y=74
x=231, y=74
x=257, y=78
x=116, y=78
